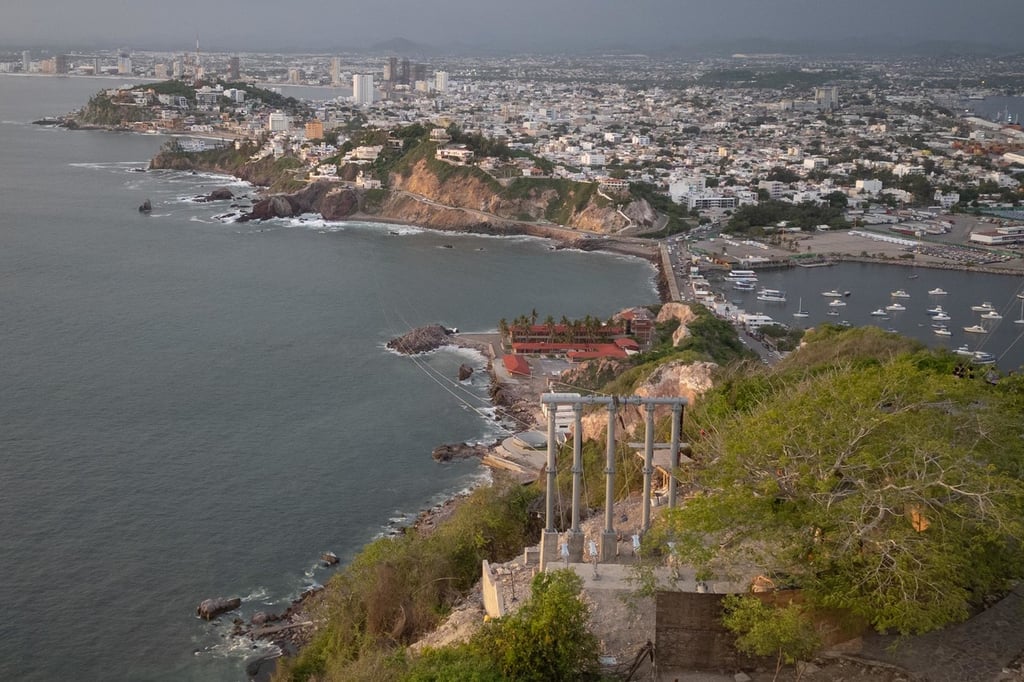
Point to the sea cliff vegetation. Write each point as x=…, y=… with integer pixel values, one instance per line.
x=879, y=476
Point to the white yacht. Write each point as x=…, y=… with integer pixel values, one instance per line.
x=942, y=331
x=937, y=310
x=982, y=308
x=991, y=315
x=941, y=317
x=878, y=313
x=975, y=329
x=772, y=295
x=831, y=293
x=837, y=303
x=937, y=291
x=900, y=293
x=895, y=306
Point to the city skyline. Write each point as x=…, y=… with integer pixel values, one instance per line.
x=528, y=25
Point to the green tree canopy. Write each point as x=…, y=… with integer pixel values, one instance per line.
x=885, y=485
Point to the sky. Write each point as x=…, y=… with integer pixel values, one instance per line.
x=516, y=25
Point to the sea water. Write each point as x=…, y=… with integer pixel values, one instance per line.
x=192, y=407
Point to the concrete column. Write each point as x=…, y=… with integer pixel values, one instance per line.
x=609, y=541
x=677, y=420
x=577, y=465
x=648, y=466
x=549, y=539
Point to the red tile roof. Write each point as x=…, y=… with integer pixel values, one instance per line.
x=516, y=365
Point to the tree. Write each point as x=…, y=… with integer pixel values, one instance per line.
x=762, y=630
x=548, y=638
x=883, y=483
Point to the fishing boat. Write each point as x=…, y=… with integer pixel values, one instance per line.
x=800, y=309
x=831, y=293
x=878, y=313
x=937, y=291
x=983, y=307
x=940, y=317
x=837, y=303
x=942, y=331
x=772, y=295
x=900, y=293
x=975, y=329
x=937, y=310
x=991, y=315
x=895, y=306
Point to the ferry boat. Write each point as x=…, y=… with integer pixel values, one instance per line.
x=772, y=295
x=741, y=275
x=744, y=285
x=878, y=313
x=900, y=293
x=831, y=293
x=982, y=308
x=991, y=315
x=937, y=291
x=975, y=329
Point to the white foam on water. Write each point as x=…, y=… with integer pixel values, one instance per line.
x=258, y=593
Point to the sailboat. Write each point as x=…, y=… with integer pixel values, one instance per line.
x=800, y=310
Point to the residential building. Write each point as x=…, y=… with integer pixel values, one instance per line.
x=441, y=82
x=279, y=122
x=362, y=89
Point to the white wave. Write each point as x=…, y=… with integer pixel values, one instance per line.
x=257, y=594
x=197, y=219
x=159, y=215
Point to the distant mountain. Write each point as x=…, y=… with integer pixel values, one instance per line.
x=401, y=46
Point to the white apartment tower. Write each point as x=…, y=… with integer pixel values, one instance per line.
x=335, y=71
x=441, y=81
x=362, y=89
x=826, y=98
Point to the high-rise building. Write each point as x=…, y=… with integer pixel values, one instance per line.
x=314, y=130
x=826, y=98
x=178, y=68
x=362, y=89
x=234, y=68
x=391, y=69
x=295, y=75
x=160, y=71
x=403, y=75
x=419, y=72
x=26, y=61
x=124, y=64
x=97, y=68
x=60, y=64
x=279, y=122
x=441, y=81
x=335, y=71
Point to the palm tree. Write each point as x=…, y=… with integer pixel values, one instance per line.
x=503, y=329
x=549, y=322
x=533, y=316
x=565, y=328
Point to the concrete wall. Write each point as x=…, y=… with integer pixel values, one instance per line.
x=494, y=602
x=689, y=633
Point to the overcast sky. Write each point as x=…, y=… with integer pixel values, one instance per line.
x=338, y=25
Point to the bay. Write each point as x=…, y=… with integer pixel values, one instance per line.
x=196, y=408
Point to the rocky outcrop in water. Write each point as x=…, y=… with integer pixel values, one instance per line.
x=465, y=372
x=146, y=206
x=421, y=340
x=211, y=608
x=446, y=453
x=326, y=198
x=219, y=194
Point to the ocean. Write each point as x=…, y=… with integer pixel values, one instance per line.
x=196, y=408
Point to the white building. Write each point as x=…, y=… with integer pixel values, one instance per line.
x=279, y=122
x=827, y=97
x=362, y=89
x=869, y=186
x=591, y=159
x=441, y=81
x=775, y=188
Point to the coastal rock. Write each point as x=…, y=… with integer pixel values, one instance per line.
x=339, y=203
x=146, y=206
x=219, y=194
x=211, y=608
x=329, y=558
x=276, y=206
x=465, y=371
x=680, y=312
x=446, y=453
x=421, y=340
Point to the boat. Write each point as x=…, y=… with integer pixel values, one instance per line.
x=937, y=310
x=833, y=313
x=941, y=317
x=983, y=358
x=846, y=293
x=831, y=293
x=845, y=323
x=772, y=295
x=743, y=285
x=913, y=276
x=878, y=313
x=991, y=315
x=964, y=350
x=744, y=275
x=895, y=306
x=900, y=293
x=800, y=309
x=937, y=291
x=837, y=303
x=983, y=308
x=942, y=331
x=975, y=329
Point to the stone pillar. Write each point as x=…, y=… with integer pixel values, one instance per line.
x=648, y=466
x=677, y=419
x=549, y=539
x=576, y=541
x=609, y=542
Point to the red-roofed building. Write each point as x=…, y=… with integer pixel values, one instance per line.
x=516, y=364
x=639, y=323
